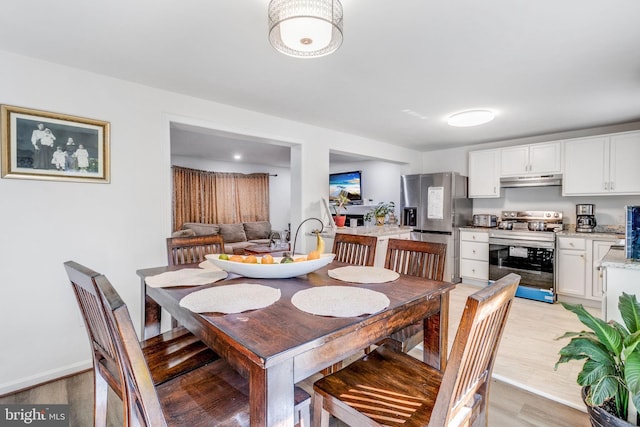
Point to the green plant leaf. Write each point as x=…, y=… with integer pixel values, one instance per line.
x=593, y=349
x=606, y=388
x=632, y=373
x=629, y=311
x=630, y=344
x=593, y=372
x=607, y=334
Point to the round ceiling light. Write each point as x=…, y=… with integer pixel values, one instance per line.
x=305, y=28
x=470, y=118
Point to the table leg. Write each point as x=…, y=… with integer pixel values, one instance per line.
x=151, y=313
x=271, y=395
x=436, y=335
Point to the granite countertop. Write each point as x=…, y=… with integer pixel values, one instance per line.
x=367, y=230
x=608, y=235
x=615, y=258
x=476, y=228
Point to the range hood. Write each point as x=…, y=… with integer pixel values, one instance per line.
x=531, y=181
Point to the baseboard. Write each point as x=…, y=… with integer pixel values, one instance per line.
x=43, y=377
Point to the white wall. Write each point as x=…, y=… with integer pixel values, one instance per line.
x=120, y=227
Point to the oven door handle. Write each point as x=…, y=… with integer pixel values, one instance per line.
x=523, y=243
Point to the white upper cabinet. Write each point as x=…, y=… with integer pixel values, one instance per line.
x=602, y=165
x=533, y=159
x=484, y=178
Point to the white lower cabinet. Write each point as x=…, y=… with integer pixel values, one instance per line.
x=383, y=243
x=474, y=257
x=577, y=263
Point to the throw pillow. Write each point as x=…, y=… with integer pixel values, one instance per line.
x=257, y=230
x=232, y=233
x=201, y=229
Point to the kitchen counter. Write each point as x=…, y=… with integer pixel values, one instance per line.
x=594, y=235
x=615, y=258
x=475, y=228
x=367, y=230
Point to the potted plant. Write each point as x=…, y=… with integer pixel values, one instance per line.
x=341, y=203
x=610, y=376
x=380, y=212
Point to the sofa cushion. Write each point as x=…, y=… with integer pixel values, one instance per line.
x=232, y=233
x=257, y=230
x=183, y=233
x=201, y=229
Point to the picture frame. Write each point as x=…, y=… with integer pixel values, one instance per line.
x=51, y=146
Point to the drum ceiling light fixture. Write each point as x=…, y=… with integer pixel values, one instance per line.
x=305, y=28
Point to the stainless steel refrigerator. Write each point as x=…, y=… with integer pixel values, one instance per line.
x=436, y=205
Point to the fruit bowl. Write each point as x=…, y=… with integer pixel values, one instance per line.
x=271, y=271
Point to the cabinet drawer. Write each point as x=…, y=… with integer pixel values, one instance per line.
x=474, y=250
x=474, y=236
x=572, y=243
x=474, y=269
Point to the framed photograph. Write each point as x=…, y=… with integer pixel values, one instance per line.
x=50, y=146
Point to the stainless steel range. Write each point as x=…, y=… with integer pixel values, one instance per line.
x=524, y=243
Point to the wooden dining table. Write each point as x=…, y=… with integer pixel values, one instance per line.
x=280, y=345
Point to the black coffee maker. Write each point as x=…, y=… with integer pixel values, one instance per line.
x=585, y=218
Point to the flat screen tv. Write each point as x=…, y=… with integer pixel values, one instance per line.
x=349, y=182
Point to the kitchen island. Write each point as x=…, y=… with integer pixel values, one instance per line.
x=383, y=233
x=620, y=275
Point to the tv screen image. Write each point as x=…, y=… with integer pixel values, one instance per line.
x=349, y=182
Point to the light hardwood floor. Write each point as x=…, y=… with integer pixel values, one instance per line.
x=525, y=362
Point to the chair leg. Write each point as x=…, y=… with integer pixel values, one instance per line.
x=303, y=416
x=320, y=415
x=101, y=390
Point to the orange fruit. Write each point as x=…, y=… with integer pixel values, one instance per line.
x=251, y=259
x=267, y=259
x=299, y=259
x=313, y=255
x=236, y=258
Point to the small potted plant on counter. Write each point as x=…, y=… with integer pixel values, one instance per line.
x=380, y=212
x=341, y=203
x=610, y=376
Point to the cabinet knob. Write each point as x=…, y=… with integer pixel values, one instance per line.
x=473, y=237
x=473, y=270
x=474, y=251
x=571, y=244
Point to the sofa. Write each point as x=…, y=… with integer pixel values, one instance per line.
x=236, y=236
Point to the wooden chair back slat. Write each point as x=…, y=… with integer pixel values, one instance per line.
x=354, y=249
x=416, y=258
x=192, y=249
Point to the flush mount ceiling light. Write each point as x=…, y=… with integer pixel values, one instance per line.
x=470, y=118
x=305, y=28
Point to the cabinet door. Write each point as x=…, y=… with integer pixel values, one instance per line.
x=474, y=250
x=584, y=166
x=545, y=158
x=624, y=171
x=571, y=273
x=514, y=161
x=381, y=250
x=473, y=269
x=484, y=167
x=600, y=249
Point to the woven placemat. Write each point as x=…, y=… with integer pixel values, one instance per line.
x=186, y=277
x=358, y=274
x=340, y=301
x=227, y=299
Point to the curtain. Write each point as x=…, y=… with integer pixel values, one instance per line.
x=219, y=198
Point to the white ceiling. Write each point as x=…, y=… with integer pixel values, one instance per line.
x=544, y=66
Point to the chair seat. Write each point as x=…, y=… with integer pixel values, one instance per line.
x=215, y=395
x=397, y=398
x=174, y=352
